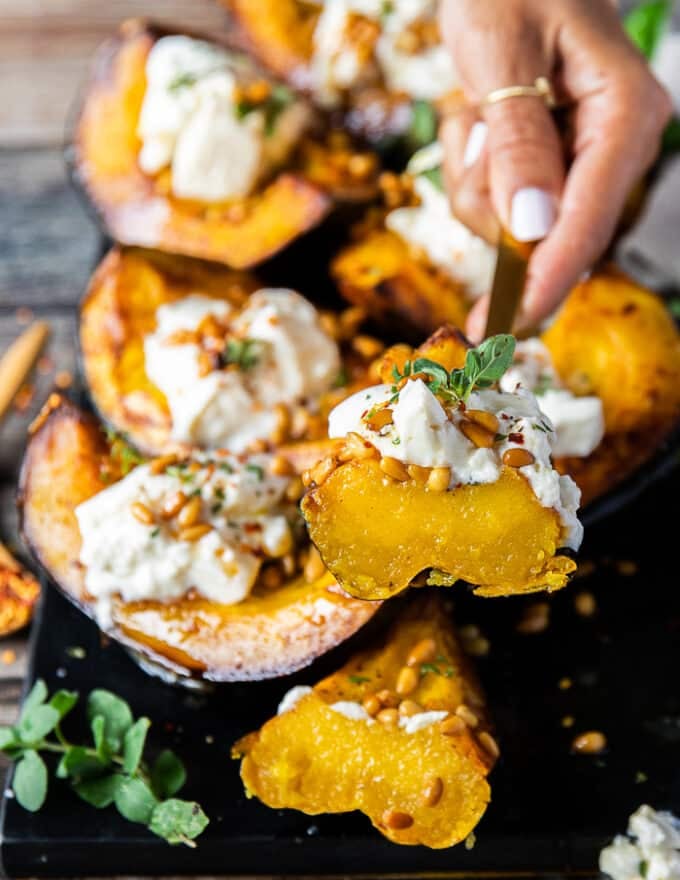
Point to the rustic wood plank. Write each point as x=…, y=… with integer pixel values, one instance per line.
x=45, y=49
x=49, y=244
x=59, y=358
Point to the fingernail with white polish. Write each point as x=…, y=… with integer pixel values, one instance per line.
x=475, y=143
x=532, y=214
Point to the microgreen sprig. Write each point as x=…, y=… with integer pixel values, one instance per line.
x=111, y=770
x=484, y=365
x=243, y=353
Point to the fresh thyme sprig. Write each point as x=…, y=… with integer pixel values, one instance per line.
x=484, y=365
x=244, y=353
x=110, y=770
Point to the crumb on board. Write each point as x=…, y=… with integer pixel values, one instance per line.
x=585, y=604
x=592, y=742
x=564, y=683
x=535, y=619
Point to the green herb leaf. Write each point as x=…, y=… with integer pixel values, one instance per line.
x=278, y=100
x=178, y=821
x=36, y=696
x=342, y=378
x=435, y=176
x=358, y=679
x=423, y=128
x=167, y=774
x=133, y=744
x=116, y=713
x=647, y=23
x=182, y=81
x=674, y=306
x=63, y=702
x=8, y=738
x=122, y=452
x=439, y=374
x=671, y=137
x=257, y=470
x=98, y=727
x=30, y=781
x=244, y=353
x=134, y=800
x=37, y=723
x=643, y=867
x=100, y=792
x=484, y=365
x=79, y=763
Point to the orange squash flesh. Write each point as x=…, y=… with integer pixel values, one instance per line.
x=312, y=758
x=140, y=210
x=379, y=273
x=376, y=535
x=271, y=633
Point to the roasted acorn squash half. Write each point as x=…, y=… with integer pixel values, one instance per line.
x=269, y=634
x=377, y=531
x=423, y=786
x=280, y=34
x=119, y=310
x=139, y=209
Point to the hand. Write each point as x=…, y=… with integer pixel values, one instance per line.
x=568, y=189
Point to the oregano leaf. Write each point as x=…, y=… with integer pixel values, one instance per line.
x=178, y=821
x=79, y=763
x=30, y=781
x=135, y=800
x=8, y=738
x=167, y=774
x=647, y=23
x=116, y=713
x=133, y=745
x=35, y=724
x=99, y=792
x=36, y=696
x=63, y=701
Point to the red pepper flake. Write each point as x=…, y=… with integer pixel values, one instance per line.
x=516, y=438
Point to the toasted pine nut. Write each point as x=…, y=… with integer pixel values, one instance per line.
x=282, y=424
x=483, y=418
x=158, y=465
x=467, y=715
x=389, y=717
x=407, y=708
x=380, y=419
x=478, y=435
x=423, y=651
x=330, y=324
x=452, y=726
x=418, y=474
x=314, y=567
x=371, y=704
x=433, y=791
x=190, y=513
x=194, y=533
x=173, y=505
x=489, y=744
x=394, y=468
x=294, y=490
x=321, y=471
x=396, y=820
x=516, y=457
x=367, y=346
x=439, y=479
x=388, y=698
x=279, y=466
x=407, y=681
x=590, y=743
x=350, y=320
x=205, y=364
x=361, y=165
x=357, y=447
x=142, y=513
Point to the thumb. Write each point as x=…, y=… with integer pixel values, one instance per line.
x=526, y=166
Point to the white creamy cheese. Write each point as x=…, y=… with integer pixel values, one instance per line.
x=448, y=243
x=296, y=361
x=421, y=720
x=578, y=421
x=292, y=697
x=651, y=849
x=426, y=74
x=189, y=121
x=352, y=710
x=123, y=556
x=424, y=433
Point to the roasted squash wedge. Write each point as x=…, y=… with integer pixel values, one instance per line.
x=271, y=633
x=138, y=209
x=377, y=534
x=425, y=787
x=119, y=310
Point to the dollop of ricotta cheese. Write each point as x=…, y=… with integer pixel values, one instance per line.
x=650, y=850
x=296, y=360
x=241, y=502
x=578, y=421
x=191, y=121
x=292, y=697
x=423, y=432
x=339, y=64
x=431, y=227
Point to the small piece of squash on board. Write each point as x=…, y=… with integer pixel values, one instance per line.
x=428, y=787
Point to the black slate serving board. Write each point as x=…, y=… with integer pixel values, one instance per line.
x=551, y=810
